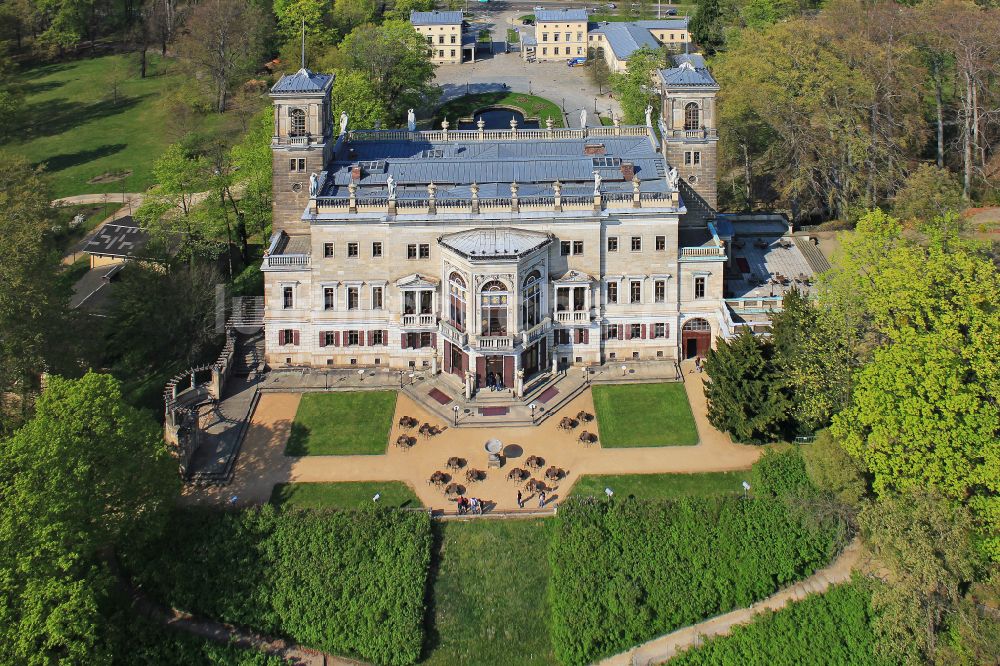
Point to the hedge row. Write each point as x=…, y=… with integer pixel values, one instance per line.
x=831, y=629
x=345, y=582
x=626, y=571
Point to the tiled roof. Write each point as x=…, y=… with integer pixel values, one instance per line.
x=550, y=15
x=495, y=242
x=626, y=38
x=302, y=81
x=493, y=165
x=689, y=70
x=121, y=238
x=435, y=18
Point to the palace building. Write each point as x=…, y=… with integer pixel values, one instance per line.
x=495, y=253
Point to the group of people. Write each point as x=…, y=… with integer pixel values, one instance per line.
x=541, y=499
x=494, y=382
x=470, y=505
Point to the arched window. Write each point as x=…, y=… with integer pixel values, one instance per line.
x=697, y=325
x=493, y=304
x=456, y=301
x=692, y=116
x=531, y=300
x=296, y=122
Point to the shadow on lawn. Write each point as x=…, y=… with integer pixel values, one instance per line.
x=60, y=115
x=67, y=160
x=298, y=439
x=432, y=637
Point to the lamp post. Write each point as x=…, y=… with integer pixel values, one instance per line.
x=610, y=493
x=746, y=488
x=624, y=370
x=456, y=414
x=532, y=405
x=361, y=375
x=411, y=378
x=595, y=106
x=400, y=379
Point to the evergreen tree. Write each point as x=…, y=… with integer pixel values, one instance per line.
x=746, y=395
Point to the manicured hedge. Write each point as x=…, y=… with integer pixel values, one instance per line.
x=626, y=571
x=346, y=582
x=832, y=629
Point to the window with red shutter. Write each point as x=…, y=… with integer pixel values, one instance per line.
x=621, y=331
x=295, y=337
x=586, y=336
x=402, y=340
x=643, y=334
x=385, y=337
x=322, y=338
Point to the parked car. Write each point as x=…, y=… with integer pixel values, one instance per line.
x=539, y=9
x=612, y=5
x=577, y=61
x=528, y=21
x=672, y=11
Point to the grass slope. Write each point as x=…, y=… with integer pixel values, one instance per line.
x=340, y=424
x=343, y=495
x=631, y=415
x=489, y=605
x=661, y=486
x=74, y=126
x=531, y=106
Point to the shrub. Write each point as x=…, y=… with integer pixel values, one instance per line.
x=625, y=571
x=780, y=473
x=830, y=629
x=346, y=582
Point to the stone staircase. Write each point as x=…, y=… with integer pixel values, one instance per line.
x=699, y=212
x=814, y=257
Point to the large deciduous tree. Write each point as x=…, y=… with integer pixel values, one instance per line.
x=924, y=411
x=354, y=94
x=86, y=472
x=394, y=57
x=923, y=540
x=634, y=87
x=223, y=41
x=33, y=304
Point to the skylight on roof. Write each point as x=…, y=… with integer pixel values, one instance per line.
x=607, y=162
x=372, y=166
x=434, y=153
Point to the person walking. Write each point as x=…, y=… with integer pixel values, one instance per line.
x=520, y=500
x=541, y=499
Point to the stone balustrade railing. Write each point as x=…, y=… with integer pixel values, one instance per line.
x=399, y=205
x=702, y=252
x=518, y=134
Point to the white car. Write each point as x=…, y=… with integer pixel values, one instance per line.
x=538, y=9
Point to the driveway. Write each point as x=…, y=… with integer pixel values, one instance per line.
x=569, y=87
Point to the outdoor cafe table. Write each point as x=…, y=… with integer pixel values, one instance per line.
x=534, y=462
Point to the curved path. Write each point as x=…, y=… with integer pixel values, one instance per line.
x=262, y=462
x=667, y=646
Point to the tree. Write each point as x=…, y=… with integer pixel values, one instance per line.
x=816, y=359
x=925, y=543
x=401, y=9
x=746, y=397
x=600, y=74
x=706, y=25
x=252, y=169
x=290, y=15
x=86, y=472
x=353, y=94
x=929, y=192
x=923, y=411
x=223, y=41
x=164, y=320
x=634, y=88
x=395, y=59
x=34, y=317
x=832, y=469
x=349, y=14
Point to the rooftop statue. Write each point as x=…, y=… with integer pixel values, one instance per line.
x=583, y=117
x=649, y=115
x=391, y=184
x=672, y=177
x=343, y=122
x=597, y=183
x=411, y=120
x=313, y=184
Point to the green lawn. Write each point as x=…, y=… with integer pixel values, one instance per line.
x=489, y=602
x=347, y=423
x=644, y=415
x=531, y=106
x=661, y=486
x=75, y=127
x=343, y=495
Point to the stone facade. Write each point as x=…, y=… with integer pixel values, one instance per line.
x=443, y=32
x=418, y=250
x=561, y=34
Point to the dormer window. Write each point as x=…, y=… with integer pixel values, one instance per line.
x=296, y=122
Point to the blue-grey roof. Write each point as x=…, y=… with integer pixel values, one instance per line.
x=624, y=39
x=494, y=164
x=302, y=81
x=495, y=242
x=689, y=70
x=435, y=18
x=549, y=15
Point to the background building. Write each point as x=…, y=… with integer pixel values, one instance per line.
x=615, y=41
x=561, y=34
x=443, y=31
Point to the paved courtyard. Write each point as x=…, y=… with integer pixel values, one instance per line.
x=262, y=462
x=569, y=87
